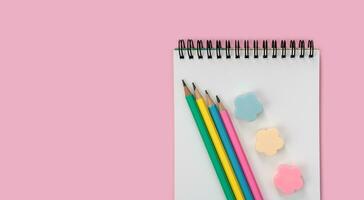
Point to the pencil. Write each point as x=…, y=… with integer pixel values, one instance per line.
x=208, y=143
x=239, y=151
x=218, y=145
x=228, y=147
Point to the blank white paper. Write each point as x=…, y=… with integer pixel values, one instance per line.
x=288, y=88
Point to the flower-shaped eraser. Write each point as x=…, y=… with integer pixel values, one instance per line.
x=268, y=141
x=288, y=179
x=247, y=106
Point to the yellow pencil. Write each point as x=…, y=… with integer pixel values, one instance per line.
x=218, y=145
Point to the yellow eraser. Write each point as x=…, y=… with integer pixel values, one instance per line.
x=268, y=141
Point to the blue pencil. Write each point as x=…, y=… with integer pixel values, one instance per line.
x=229, y=148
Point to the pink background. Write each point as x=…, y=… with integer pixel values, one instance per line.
x=75, y=121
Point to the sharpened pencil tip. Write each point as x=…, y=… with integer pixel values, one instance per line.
x=194, y=86
x=206, y=92
x=218, y=99
x=184, y=83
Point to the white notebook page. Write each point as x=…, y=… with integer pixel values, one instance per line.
x=287, y=87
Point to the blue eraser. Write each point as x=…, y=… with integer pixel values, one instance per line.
x=247, y=107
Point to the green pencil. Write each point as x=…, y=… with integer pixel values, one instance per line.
x=208, y=143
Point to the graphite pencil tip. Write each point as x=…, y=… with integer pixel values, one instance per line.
x=218, y=99
x=206, y=92
x=184, y=83
x=194, y=86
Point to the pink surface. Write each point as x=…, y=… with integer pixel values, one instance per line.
x=244, y=163
x=288, y=179
x=73, y=72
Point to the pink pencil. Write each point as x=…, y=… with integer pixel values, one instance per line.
x=239, y=151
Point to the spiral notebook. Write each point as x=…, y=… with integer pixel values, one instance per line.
x=284, y=75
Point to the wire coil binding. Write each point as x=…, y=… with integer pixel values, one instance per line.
x=267, y=51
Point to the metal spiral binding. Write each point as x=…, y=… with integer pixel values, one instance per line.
x=181, y=46
x=284, y=48
x=301, y=45
x=218, y=49
x=292, y=45
x=199, y=49
x=208, y=48
x=274, y=49
x=190, y=48
x=246, y=48
x=255, y=48
x=265, y=48
x=227, y=49
x=237, y=49
x=311, y=47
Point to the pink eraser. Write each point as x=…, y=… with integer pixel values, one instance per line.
x=288, y=179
